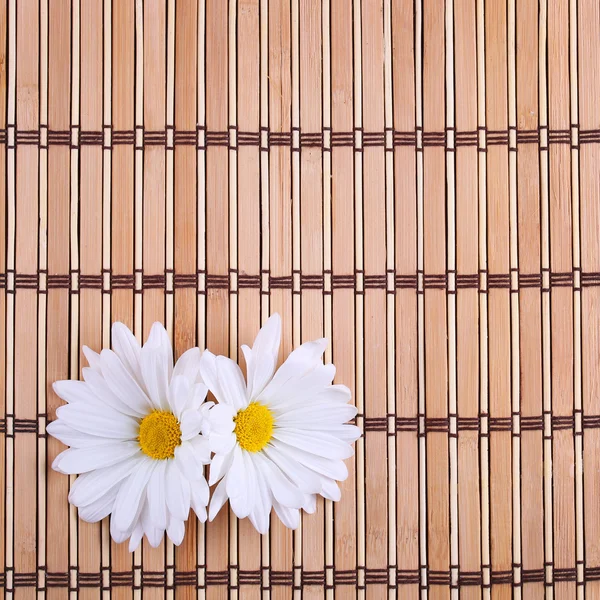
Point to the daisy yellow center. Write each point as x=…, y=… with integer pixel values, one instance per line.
x=253, y=427
x=160, y=434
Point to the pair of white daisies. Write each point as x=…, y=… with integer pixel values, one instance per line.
x=140, y=433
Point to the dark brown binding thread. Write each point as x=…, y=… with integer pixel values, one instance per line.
x=281, y=578
x=249, y=577
x=463, y=281
x=121, y=578
x=373, y=576
x=154, y=579
x=285, y=138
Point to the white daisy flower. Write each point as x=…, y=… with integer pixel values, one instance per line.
x=278, y=439
x=133, y=429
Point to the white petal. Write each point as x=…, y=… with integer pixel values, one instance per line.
x=200, y=496
x=155, y=372
x=127, y=348
x=122, y=384
x=201, y=448
x=208, y=372
x=305, y=479
x=262, y=358
x=196, y=401
x=187, y=463
x=120, y=535
x=259, y=517
x=188, y=366
x=305, y=388
x=237, y=482
x=71, y=437
x=91, y=486
x=219, y=466
x=83, y=460
x=132, y=494
x=330, y=490
x=222, y=444
x=159, y=340
x=176, y=531
x=156, y=495
x=99, y=508
x=73, y=391
x=178, y=492
x=310, y=503
x=154, y=534
x=180, y=391
x=321, y=413
x=335, y=469
x=283, y=490
x=94, y=419
x=290, y=517
x=191, y=424
x=104, y=394
x=315, y=442
x=136, y=536
x=301, y=361
x=93, y=359
x=231, y=380
x=220, y=418
x=219, y=498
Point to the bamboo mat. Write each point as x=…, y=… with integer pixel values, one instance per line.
x=418, y=181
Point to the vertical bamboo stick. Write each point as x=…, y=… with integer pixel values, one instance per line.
x=484, y=473
x=327, y=263
x=3, y=293
x=184, y=239
x=405, y=237
x=121, y=222
x=451, y=296
x=90, y=231
x=57, y=326
x=42, y=303
x=106, y=243
x=265, y=208
x=577, y=321
x=233, y=254
x=75, y=271
x=217, y=250
x=435, y=303
x=524, y=54
x=201, y=240
x=138, y=221
x=556, y=137
x=390, y=237
x=342, y=264
x=283, y=252
x=498, y=225
x=297, y=304
x=170, y=233
x=10, y=300
x=359, y=301
x=467, y=300
x=546, y=323
x=423, y=540
x=588, y=54
x=514, y=304
x=249, y=243
x=308, y=245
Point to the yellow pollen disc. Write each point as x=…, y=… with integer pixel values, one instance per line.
x=160, y=434
x=253, y=427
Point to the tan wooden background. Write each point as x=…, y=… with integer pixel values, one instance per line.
x=418, y=181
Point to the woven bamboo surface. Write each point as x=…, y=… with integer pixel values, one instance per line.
x=418, y=181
